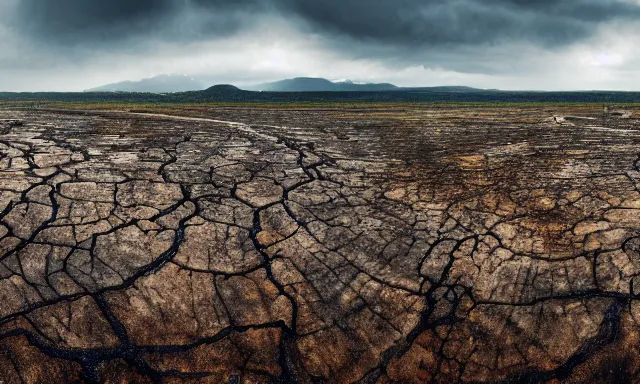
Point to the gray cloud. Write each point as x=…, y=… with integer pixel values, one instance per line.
x=429, y=23
x=490, y=37
x=104, y=23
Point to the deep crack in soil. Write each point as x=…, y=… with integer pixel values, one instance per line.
x=343, y=244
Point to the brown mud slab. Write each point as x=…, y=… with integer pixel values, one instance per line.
x=338, y=244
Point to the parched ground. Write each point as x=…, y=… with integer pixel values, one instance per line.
x=337, y=243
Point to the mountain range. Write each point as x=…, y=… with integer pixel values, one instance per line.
x=183, y=83
x=157, y=84
x=311, y=84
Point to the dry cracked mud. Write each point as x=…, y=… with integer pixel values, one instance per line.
x=338, y=244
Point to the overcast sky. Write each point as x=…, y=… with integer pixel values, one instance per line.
x=72, y=45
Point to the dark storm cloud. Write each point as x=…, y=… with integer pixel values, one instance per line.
x=69, y=19
x=388, y=22
x=66, y=22
x=454, y=22
x=513, y=39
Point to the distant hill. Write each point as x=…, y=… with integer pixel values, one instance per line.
x=312, y=84
x=158, y=84
x=223, y=89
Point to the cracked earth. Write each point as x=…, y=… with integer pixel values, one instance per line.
x=383, y=244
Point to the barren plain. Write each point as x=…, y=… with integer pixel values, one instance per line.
x=337, y=243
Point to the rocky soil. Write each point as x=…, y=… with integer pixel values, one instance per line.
x=345, y=244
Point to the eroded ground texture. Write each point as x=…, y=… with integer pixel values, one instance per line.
x=338, y=244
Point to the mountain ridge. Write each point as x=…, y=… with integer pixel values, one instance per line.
x=156, y=84
x=319, y=84
x=183, y=83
